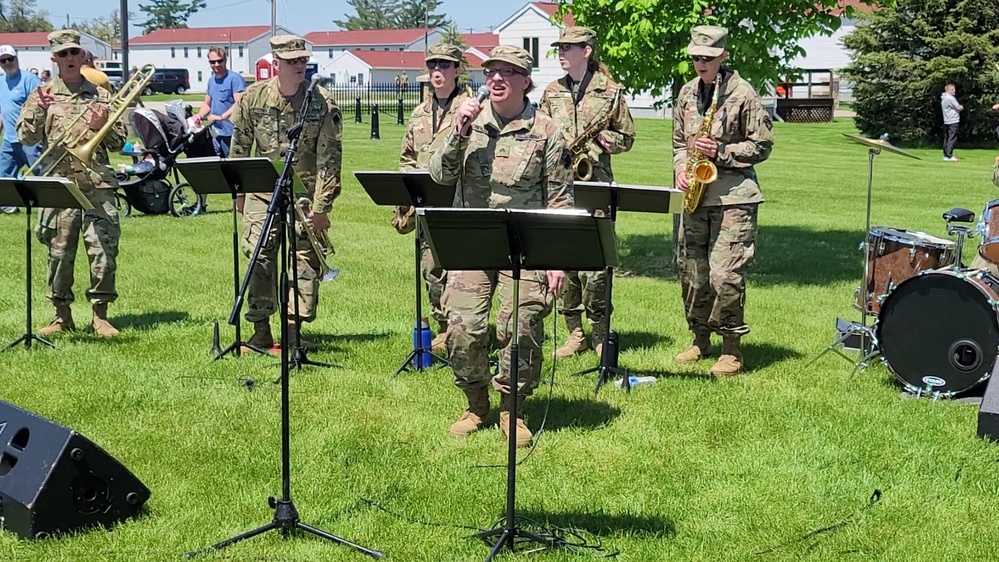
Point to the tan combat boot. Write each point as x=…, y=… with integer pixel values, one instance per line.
x=61, y=322
x=524, y=435
x=697, y=350
x=295, y=339
x=576, y=342
x=730, y=363
x=262, y=338
x=102, y=327
x=474, y=417
x=439, y=343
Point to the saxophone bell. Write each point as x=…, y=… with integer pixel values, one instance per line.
x=582, y=167
x=320, y=243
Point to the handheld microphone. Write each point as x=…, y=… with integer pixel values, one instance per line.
x=483, y=93
x=315, y=80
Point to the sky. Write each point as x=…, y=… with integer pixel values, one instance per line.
x=307, y=15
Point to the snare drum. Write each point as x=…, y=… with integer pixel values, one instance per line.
x=938, y=332
x=988, y=224
x=894, y=255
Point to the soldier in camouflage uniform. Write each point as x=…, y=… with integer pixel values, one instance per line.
x=587, y=102
x=718, y=239
x=429, y=120
x=262, y=118
x=50, y=113
x=507, y=156
x=979, y=262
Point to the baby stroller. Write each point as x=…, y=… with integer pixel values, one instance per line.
x=152, y=184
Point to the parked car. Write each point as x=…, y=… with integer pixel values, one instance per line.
x=169, y=81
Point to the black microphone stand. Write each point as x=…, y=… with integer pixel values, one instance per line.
x=281, y=205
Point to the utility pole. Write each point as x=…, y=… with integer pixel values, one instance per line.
x=67, y=21
x=123, y=16
x=273, y=18
x=426, y=29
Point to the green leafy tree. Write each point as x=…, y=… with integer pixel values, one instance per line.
x=451, y=34
x=904, y=55
x=169, y=14
x=419, y=13
x=644, y=42
x=21, y=15
x=371, y=14
x=106, y=28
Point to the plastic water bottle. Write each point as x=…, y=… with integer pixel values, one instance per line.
x=635, y=381
x=127, y=148
x=421, y=340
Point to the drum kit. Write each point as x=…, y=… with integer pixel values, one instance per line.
x=936, y=324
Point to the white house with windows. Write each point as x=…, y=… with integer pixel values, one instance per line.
x=328, y=45
x=188, y=49
x=366, y=68
x=33, y=49
x=530, y=27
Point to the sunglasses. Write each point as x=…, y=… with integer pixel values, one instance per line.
x=63, y=54
x=5, y=60
x=505, y=72
x=441, y=64
x=216, y=61
x=702, y=58
x=299, y=60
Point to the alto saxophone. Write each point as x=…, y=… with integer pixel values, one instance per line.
x=700, y=171
x=320, y=243
x=582, y=162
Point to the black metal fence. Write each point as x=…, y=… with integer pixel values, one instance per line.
x=389, y=98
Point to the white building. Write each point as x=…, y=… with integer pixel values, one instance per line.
x=366, y=68
x=328, y=45
x=187, y=48
x=33, y=49
x=531, y=28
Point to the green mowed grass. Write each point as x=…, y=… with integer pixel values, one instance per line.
x=685, y=469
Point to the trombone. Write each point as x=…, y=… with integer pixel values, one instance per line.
x=76, y=146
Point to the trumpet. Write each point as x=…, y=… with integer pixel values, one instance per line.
x=320, y=243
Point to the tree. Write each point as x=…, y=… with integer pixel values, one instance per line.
x=371, y=14
x=411, y=14
x=451, y=34
x=21, y=15
x=106, y=28
x=904, y=55
x=169, y=14
x=644, y=42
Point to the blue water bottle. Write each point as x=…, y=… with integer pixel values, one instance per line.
x=421, y=341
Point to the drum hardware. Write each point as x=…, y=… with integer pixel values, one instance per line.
x=988, y=227
x=868, y=350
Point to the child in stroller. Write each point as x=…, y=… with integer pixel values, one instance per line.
x=147, y=182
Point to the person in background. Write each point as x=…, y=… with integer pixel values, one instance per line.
x=224, y=90
x=94, y=76
x=14, y=91
x=951, y=119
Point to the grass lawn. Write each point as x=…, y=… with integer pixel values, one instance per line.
x=686, y=469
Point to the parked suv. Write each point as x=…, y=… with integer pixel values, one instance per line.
x=169, y=81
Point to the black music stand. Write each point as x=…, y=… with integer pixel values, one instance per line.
x=403, y=189
x=610, y=198
x=38, y=192
x=236, y=177
x=506, y=239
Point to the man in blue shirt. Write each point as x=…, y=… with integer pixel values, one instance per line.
x=14, y=90
x=224, y=90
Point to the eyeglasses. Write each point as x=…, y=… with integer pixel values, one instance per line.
x=5, y=60
x=441, y=64
x=299, y=60
x=215, y=61
x=702, y=58
x=505, y=72
x=63, y=54
x=568, y=46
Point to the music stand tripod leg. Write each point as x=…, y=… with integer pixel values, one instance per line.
x=235, y=348
x=415, y=357
x=29, y=335
x=608, y=368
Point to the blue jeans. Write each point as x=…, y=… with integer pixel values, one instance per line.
x=221, y=145
x=14, y=156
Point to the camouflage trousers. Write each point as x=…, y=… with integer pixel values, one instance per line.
x=468, y=299
x=435, y=278
x=981, y=263
x=717, y=245
x=262, y=296
x=584, y=291
x=60, y=229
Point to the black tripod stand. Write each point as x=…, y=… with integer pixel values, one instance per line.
x=28, y=336
x=282, y=207
x=236, y=346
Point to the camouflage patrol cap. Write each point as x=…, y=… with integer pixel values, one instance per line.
x=707, y=41
x=289, y=47
x=444, y=51
x=576, y=35
x=64, y=39
x=513, y=55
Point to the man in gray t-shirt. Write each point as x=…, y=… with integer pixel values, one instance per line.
x=951, y=119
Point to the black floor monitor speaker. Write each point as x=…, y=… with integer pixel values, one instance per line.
x=988, y=412
x=54, y=480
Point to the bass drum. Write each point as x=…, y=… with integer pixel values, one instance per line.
x=938, y=332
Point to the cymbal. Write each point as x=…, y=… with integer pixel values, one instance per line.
x=881, y=143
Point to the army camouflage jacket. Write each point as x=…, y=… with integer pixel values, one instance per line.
x=743, y=130
x=36, y=125
x=263, y=117
x=419, y=133
x=519, y=166
x=602, y=95
x=995, y=173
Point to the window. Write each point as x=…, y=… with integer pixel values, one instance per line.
x=186, y=53
x=360, y=79
x=199, y=76
x=173, y=52
x=330, y=53
x=240, y=51
x=199, y=54
x=531, y=46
